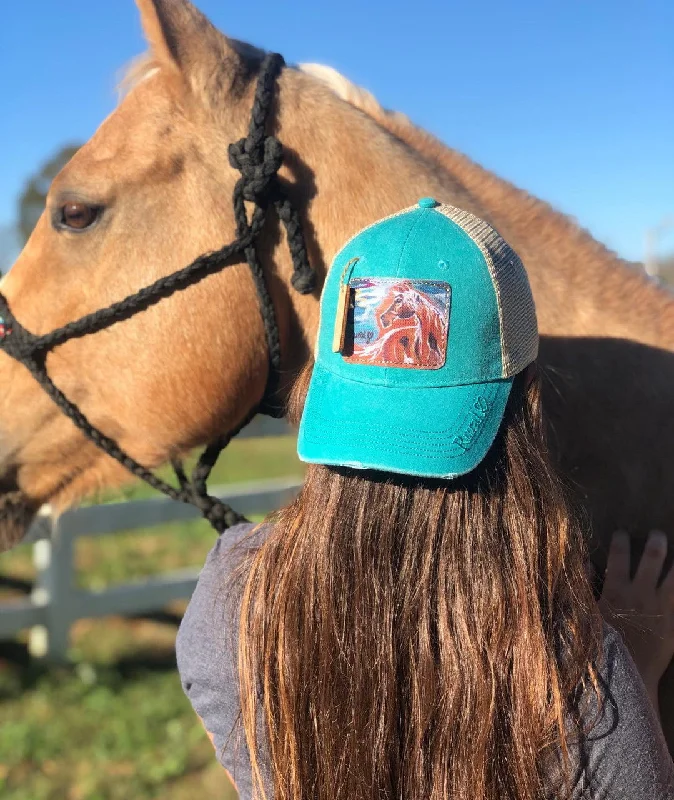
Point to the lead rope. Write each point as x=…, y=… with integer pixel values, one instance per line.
x=258, y=157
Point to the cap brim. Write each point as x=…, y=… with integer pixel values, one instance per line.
x=439, y=432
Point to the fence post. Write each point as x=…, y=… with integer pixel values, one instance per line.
x=54, y=586
x=56, y=602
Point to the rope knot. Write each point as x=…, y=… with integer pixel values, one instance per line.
x=212, y=509
x=257, y=163
x=216, y=513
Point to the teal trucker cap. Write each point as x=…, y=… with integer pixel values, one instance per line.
x=426, y=317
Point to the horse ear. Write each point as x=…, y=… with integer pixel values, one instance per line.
x=183, y=39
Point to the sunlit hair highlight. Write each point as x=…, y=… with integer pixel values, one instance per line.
x=406, y=639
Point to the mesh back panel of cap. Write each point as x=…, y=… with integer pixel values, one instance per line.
x=517, y=314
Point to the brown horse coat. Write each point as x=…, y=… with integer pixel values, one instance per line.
x=191, y=367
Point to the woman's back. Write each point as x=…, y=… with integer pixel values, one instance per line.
x=624, y=756
x=418, y=623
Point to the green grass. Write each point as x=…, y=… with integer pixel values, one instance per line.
x=115, y=724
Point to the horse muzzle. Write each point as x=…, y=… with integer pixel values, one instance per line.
x=17, y=511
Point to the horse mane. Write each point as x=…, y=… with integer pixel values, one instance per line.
x=136, y=71
x=147, y=64
x=356, y=96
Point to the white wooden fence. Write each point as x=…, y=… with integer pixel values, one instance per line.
x=56, y=603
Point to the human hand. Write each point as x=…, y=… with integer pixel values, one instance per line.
x=638, y=608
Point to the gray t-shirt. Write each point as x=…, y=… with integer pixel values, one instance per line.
x=624, y=757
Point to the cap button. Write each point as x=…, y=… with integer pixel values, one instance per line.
x=428, y=202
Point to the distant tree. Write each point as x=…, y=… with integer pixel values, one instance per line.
x=9, y=247
x=666, y=270
x=34, y=195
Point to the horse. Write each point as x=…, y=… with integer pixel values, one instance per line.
x=150, y=192
x=410, y=330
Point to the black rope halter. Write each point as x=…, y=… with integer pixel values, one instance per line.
x=258, y=158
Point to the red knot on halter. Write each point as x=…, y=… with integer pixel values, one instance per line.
x=5, y=329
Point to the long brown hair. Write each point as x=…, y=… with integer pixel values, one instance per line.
x=404, y=638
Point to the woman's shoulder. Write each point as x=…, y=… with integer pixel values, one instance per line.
x=618, y=675
x=211, y=610
x=206, y=646
x=621, y=751
x=614, y=648
x=621, y=694
x=232, y=545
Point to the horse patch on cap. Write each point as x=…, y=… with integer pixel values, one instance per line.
x=397, y=323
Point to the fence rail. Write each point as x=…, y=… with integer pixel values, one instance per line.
x=56, y=603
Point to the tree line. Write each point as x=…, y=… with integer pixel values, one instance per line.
x=30, y=205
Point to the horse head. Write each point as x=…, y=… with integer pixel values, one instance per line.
x=399, y=303
x=145, y=196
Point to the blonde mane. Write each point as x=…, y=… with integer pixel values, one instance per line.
x=346, y=90
x=144, y=66
x=135, y=72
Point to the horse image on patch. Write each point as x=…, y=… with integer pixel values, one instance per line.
x=397, y=323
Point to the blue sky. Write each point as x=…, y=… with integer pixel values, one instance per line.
x=573, y=101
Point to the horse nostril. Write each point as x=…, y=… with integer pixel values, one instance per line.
x=8, y=480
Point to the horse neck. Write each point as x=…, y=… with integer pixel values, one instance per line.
x=580, y=287
x=348, y=172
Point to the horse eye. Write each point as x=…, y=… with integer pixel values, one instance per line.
x=78, y=216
